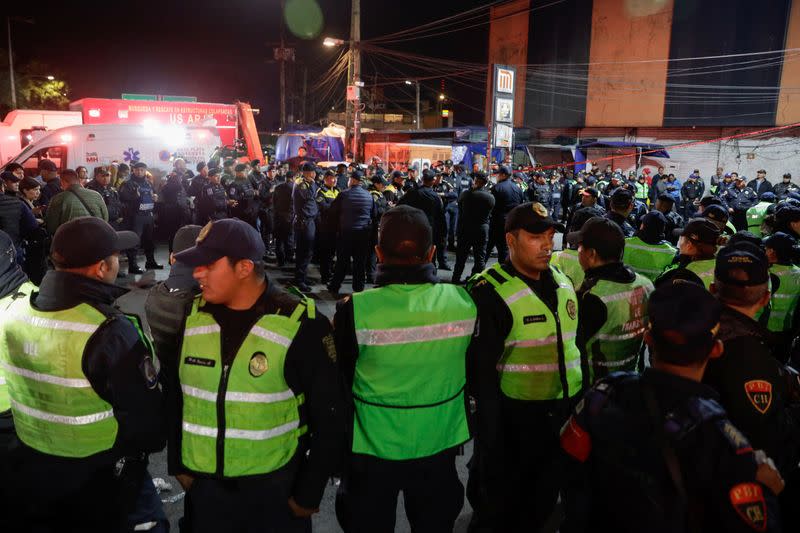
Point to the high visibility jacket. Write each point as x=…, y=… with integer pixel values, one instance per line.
x=704, y=269
x=239, y=418
x=755, y=216
x=642, y=191
x=541, y=360
x=649, y=260
x=24, y=290
x=410, y=374
x=56, y=410
x=567, y=262
x=331, y=193
x=785, y=298
x=617, y=344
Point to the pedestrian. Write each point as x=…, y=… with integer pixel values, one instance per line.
x=428, y=201
x=781, y=250
x=283, y=215
x=16, y=221
x=691, y=192
x=51, y=184
x=138, y=202
x=305, y=214
x=785, y=187
x=355, y=211
x=612, y=303
x=661, y=442
x=506, y=197
x=697, y=247
x=450, y=201
x=88, y=409
x=739, y=199
x=255, y=452
x=266, y=195
x=73, y=202
x=527, y=377
x=36, y=244
x=620, y=207
x=379, y=198
x=761, y=184
x=408, y=391
x=101, y=184
x=748, y=377
x=327, y=226
x=648, y=252
x=475, y=210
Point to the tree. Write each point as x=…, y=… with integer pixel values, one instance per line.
x=34, y=88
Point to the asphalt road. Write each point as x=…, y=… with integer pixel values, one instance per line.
x=325, y=520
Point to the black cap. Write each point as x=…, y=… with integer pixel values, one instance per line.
x=46, y=164
x=654, y=222
x=185, y=238
x=307, y=167
x=683, y=314
x=230, y=237
x=428, y=175
x=710, y=200
x=602, y=235
x=8, y=176
x=378, y=178
x=767, y=196
x=329, y=172
x=397, y=174
x=716, y=213
x=140, y=164
x=480, y=175
x=214, y=171
x=783, y=244
x=405, y=232
x=504, y=169
x=357, y=175
x=787, y=213
x=666, y=198
x=86, y=240
x=701, y=231
x=28, y=183
x=621, y=196
x=591, y=191
x=582, y=215
x=531, y=217
x=241, y=167
x=742, y=237
x=228, y=163
x=761, y=171
x=743, y=266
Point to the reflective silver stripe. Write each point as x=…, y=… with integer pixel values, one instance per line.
x=73, y=383
x=258, y=331
x=784, y=296
x=650, y=249
x=620, y=295
x=777, y=313
x=545, y=367
x=448, y=330
x=614, y=364
x=530, y=343
x=61, y=419
x=202, y=330
x=648, y=270
x=50, y=323
x=565, y=286
x=247, y=397
x=517, y=295
x=146, y=207
x=2, y=380
x=246, y=434
x=621, y=337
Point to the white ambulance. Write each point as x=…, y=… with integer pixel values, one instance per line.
x=24, y=126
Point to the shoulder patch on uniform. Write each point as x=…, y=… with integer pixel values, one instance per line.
x=330, y=346
x=735, y=438
x=575, y=440
x=572, y=309
x=759, y=392
x=748, y=502
x=149, y=372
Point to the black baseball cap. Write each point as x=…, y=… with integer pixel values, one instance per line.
x=602, y=235
x=480, y=175
x=230, y=237
x=357, y=175
x=787, y=213
x=743, y=265
x=46, y=164
x=654, y=222
x=532, y=217
x=185, y=238
x=329, y=172
x=666, y=198
x=241, y=167
x=307, y=167
x=140, y=164
x=783, y=244
x=428, y=175
x=405, y=232
x=715, y=212
x=591, y=191
x=378, y=178
x=86, y=240
x=710, y=200
x=504, y=169
x=8, y=176
x=768, y=196
x=683, y=314
x=701, y=231
x=581, y=216
x=214, y=171
x=621, y=196
x=396, y=174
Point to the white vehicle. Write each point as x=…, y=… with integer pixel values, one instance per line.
x=23, y=126
x=93, y=145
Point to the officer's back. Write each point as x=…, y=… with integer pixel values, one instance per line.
x=656, y=452
x=282, y=198
x=354, y=206
x=476, y=206
x=507, y=196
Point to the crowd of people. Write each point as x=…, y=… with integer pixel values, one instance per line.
x=642, y=377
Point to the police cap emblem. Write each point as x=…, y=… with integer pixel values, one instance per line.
x=258, y=364
x=572, y=309
x=539, y=209
x=204, y=232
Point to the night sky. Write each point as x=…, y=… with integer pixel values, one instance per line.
x=218, y=51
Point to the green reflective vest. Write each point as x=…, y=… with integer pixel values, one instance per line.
x=704, y=269
x=642, y=191
x=410, y=374
x=784, y=300
x=240, y=418
x=56, y=410
x=649, y=260
x=617, y=344
x=541, y=360
x=567, y=262
x=24, y=290
x=755, y=216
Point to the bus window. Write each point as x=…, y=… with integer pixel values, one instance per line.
x=56, y=154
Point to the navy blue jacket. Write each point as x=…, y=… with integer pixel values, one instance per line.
x=507, y=196
x=304, y=201
x=354, y=208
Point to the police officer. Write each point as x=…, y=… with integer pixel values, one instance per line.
x=661, y=443
x=138, y=201
x=697, y=247
x=450, y=200
x=739, y=199
x=341, y=176
x=51, y=184
x=227, y=172
x=665, y=203
x=541, y=191
x=642, y=189
x=429, y=202
x=261, y=427
x=174, y=208
x=101, y=184
x=757, y=213
x=199, y=181
x=752, y=384
x=566, y=260
x=781, y=250
x=783, y=188
x=283, y=213
x=612, y=302
x=620, y=208
x=475, y=208
x=88, y=406
x=305, y=214
x=327, y=227
x=506, y=197
x=394, y=191
x=408, y=392
x=648, y=253
x=241, y=191
x=527, y=377
x=212, y=201
x=355, y=211
x=691, y=192
x=379, y=197
x=265, y=195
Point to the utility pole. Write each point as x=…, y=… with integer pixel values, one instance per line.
x=283, y=79
x=355, y=51
x=305, y=93
x=419, y=119
x=11, y=66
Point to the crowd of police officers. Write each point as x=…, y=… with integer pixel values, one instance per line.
x=640, y=379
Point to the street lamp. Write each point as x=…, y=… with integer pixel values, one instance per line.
x=51, y=78
x=441, y=97
x=330, y=42
x=416, y=83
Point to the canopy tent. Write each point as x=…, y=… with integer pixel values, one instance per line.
x=324, y=145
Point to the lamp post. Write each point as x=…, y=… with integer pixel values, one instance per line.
x=416, y=85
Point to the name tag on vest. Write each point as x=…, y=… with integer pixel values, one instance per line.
x=199, y=361
x=534, y=319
